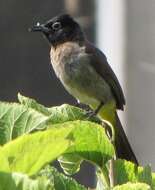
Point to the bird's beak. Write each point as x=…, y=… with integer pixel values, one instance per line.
x=39, y=28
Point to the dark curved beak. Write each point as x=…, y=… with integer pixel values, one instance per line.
x=39, y=28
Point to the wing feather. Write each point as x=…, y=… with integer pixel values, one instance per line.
x=100, y=64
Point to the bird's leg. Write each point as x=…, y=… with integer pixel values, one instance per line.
x=90, y=112
x=95, y=112
x=98, y=108
x=83, y=106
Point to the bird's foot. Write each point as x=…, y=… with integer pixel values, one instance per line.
x=82, y=106
x=90, y=114
x=93, y=113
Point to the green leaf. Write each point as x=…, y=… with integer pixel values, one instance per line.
x=103, y=181
x=153, y=180
x=29, y=153
x=90, y=143
x=4, y=164
x=57, y=114
x=133, y=186
x=31, y=103
x=65, y=112
x=90, y=140
x=126, y=171
x=59, y=181
x=16, y=120
x=17, y=181
x=70, y=163
x=145, y=175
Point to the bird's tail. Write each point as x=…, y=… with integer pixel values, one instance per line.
x=122, y=145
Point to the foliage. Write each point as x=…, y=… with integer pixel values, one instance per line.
x=32, y=136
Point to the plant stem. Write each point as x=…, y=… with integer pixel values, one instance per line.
x=111, y=173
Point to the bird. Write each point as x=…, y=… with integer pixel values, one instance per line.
x=84, y=71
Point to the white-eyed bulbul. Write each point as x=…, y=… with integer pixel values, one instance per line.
x=85, y=73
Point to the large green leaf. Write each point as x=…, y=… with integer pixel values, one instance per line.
x=90, y=143
x=17, y=181
x=133, y=186
x=29, y=153
x=60, y=181
x=16, y=120
x=126, y=171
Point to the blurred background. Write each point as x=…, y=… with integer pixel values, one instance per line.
x=125, y=32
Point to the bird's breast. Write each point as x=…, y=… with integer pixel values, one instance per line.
x=65, y=61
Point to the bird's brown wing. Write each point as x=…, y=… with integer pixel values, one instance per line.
x=100, y=64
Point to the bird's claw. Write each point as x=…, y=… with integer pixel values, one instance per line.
x=90, y=114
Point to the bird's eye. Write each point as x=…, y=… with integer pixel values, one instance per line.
x=56, y=26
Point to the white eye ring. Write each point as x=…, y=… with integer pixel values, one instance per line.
x=56, y=26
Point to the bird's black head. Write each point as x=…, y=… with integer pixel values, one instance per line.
x=60, y=29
